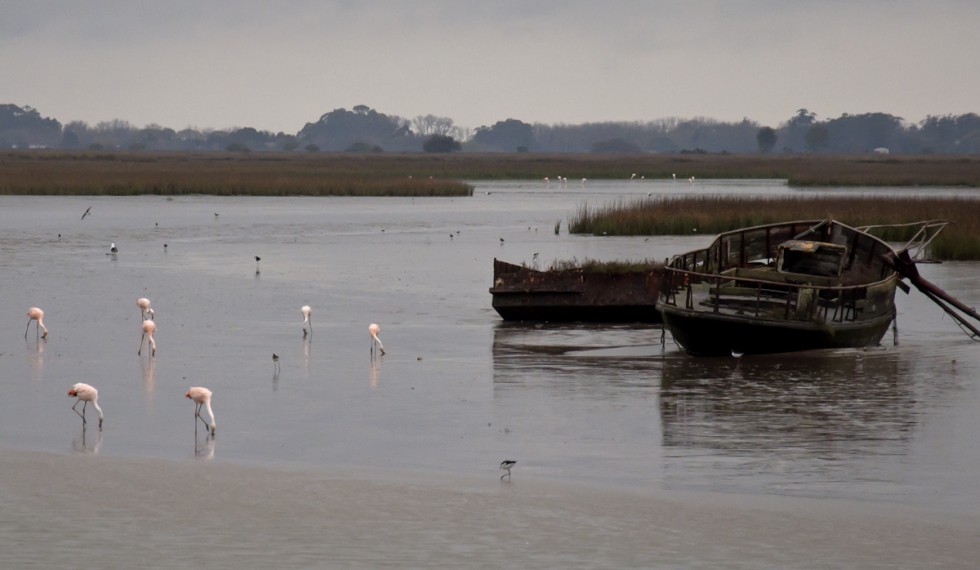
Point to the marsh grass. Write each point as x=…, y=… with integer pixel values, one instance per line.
x=710, y=215
x=219, y=174
x=86, y=172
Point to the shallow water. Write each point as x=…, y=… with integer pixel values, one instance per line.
x=458, y=389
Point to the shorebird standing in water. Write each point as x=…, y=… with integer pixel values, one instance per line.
x=507, y=465
x=275, y=361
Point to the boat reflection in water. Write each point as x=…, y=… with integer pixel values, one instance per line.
x=829, y=422
x=837, y=423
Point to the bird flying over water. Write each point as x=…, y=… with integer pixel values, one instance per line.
x=87, y=212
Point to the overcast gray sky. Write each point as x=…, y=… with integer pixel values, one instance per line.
x=277, y=65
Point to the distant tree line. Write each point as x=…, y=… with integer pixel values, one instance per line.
x=363, y=129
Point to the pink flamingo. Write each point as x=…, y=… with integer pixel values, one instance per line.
x=86, y=394
x=201, y=397
x=307, y=318
x=374, y=329
x=36, y=314
x=146, y=313
x=148, y=329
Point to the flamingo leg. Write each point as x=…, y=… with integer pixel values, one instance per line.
x=140, y=351
x=82, y=413
x=197, y=415
x=28, y=327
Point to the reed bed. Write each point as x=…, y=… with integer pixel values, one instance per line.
x=710, y=215
x=82, y=171
x=215, y=174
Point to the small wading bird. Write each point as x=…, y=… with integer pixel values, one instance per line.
x=146, y=313
x=37, y=315
x=201, y=397
x=87, y=212
x=86, y=394
x=507, y=465
x=374, y=329
x=275, y=361
x=257, y=260
x=149, y=327
x=307, y=313
x=113, y=249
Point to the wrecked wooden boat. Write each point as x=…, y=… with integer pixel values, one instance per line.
x=586, y=294
x=781, y=287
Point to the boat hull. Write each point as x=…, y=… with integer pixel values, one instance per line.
x=790, y=286
x=707, y=334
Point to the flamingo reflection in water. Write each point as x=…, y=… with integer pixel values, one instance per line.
x=84, y=444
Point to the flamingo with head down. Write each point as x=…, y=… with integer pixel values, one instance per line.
x=86, y=394
x=202, y=397
x=37, y=315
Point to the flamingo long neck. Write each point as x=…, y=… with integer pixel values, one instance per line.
x=207, y=404
x=40, y=323
x=378, y=340
x=95, y=402
x=153, y=343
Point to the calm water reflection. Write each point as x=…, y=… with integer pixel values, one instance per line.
x=458, y=390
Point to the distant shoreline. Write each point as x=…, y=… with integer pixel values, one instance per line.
x=55, y=172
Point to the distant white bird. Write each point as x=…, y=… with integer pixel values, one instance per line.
x=633, y=176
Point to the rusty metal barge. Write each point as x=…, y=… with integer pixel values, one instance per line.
x=521, y=293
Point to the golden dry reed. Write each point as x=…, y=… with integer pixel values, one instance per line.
x=100, y=172
x=686, y=215
x=57, y=173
